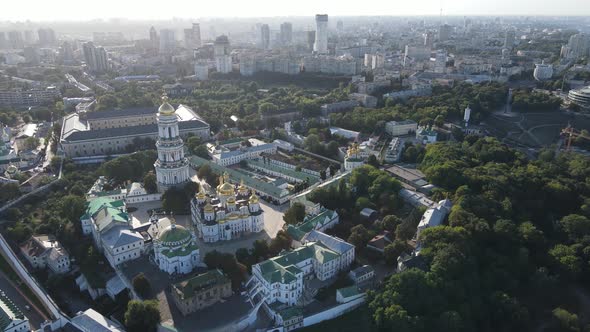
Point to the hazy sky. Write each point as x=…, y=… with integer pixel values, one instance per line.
x=49, y=10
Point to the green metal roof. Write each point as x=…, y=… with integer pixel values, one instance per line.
x=349, y=291
x=174, y=234
x=283, y=268
x=236, y=177
x=288, y=172
x=180, y=252
x=309, y=224
x=189, y=287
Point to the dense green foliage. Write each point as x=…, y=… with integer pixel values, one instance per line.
x=131, y=167
x=526, y=101
x=142, y=316
x=445, y=104
x=518, y=231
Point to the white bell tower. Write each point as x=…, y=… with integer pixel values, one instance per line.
x=171, y=166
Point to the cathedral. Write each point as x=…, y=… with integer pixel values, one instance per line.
x=229, y=214
x=172, y=166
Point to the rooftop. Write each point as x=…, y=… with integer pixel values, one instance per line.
x=135, y=111
x=189, y=287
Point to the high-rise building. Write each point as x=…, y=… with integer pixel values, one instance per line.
x=46, y=37
x=509, y=38
x=192, y=37
x=286, y=33
x=154, y=41
x=339, y=26
x=95, y=57
x=201, y=70
x=29, y=37
x=171, y=166
x=310, y=40
x=66, y=53
x=15, y=39
x=428, y=38
x=264, y=37
x=320, y=45
x=578, y=45
x=197, y=34
x=444, y=32
x=167, y=41
x=222, y=53
x=3, y=41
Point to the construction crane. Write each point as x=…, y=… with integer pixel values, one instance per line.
x=569, y=133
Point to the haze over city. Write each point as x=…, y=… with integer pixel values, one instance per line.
x=65, y=9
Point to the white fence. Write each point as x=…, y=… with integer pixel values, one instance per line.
x=333, y=312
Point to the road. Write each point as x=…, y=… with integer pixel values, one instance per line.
x=9, y=288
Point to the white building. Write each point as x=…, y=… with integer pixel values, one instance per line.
x=320, y=45
x=133, y=193
x=223, y=156
x=426, y=135
x=111, y=228
x=201, y=71
x=92, y=321
x=230, y=214
x=400, y=128
x=543, y=71
x=175, y=249
x=434, y=216
x=13, y=320
x=45, y=251
x=171, y=165
x=280, y=279
x=221, y=52
x=354, y=158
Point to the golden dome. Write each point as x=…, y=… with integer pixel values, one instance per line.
x=201, y=194
x=166, y=108
x=209, y=208
x=254, y=198
x=225, y=188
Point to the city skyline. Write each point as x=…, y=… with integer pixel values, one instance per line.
x=56, y=10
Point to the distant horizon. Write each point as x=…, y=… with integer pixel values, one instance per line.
x=65, y=10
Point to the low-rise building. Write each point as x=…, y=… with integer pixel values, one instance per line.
x=347, y=294
x=280, y=279
x=400, y=128
x=434, y=216
x=175, y=249
x=112, y=230
x=320, y=222
x=45, y=251
x=223, y=156
x=394, y=151
x=13, y=320
x=201, y=291
x=92, y=321
x=426, y=135
x=362, y=274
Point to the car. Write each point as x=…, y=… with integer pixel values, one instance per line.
x=27, y=307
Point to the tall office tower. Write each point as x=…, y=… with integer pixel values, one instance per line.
x=95, y=57
x=221, y=51
x=264, y=37
x=444, y=32
x=197, y=34
x=46, y=37
x=66, y=53
x=3, y=41
x=310, y=40
x=192, y=37
x=155, y=43
x=578, y=45
x=509, y=38
x=320, y=45
x=15, y=39
x=29, y=37
x=339, y=26
x=167, y=41
x=428, y=38
x=286, y=33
